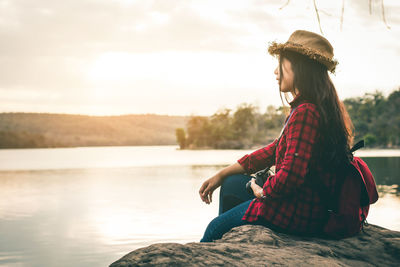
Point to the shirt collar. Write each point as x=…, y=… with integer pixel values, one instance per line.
x=296, y=101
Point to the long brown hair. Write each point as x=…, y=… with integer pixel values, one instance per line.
x=312, y=80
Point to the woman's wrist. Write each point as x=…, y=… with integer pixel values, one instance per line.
x=261, y=193
x=221, y=175
x=258, y=191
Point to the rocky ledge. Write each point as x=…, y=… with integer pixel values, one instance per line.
x=259, y=246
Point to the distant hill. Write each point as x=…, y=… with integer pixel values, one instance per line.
x=34, y=130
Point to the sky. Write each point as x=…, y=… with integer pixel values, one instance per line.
x=180, y=57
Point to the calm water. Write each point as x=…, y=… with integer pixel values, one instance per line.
x=90, y=206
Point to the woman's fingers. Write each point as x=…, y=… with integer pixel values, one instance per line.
x=206, y=190
x=203, y=190
x=203, y=186
x=207, y=193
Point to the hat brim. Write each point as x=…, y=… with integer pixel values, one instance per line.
x=276, y=49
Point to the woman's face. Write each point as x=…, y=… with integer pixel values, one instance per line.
x=285, y=80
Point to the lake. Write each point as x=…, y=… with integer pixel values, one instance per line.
x=90, y=206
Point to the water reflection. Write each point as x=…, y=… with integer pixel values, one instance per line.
x=392, y=190
x=93, y=216
x=386, y=212
x=386, y=170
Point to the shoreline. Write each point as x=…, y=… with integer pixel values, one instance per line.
x=378, y=152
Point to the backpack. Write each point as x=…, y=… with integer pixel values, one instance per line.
x=349, y=207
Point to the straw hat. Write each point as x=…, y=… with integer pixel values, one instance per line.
x=309, y=44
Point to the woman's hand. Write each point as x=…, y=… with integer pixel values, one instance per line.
x=208, y=188
x=214, y=182
x=257, y=190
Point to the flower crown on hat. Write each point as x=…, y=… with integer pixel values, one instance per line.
x=310, y=44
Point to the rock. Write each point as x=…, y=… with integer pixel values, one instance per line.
x=251, y=245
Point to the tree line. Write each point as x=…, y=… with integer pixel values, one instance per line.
x=376, y=119
x=226, y=129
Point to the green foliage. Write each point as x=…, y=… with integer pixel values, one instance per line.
x=370, y=140
x=376, y=118
x=244, y=124
x=245, y=128
x=181, y=137
x=197, y=128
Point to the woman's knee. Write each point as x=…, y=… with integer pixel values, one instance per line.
x=211, y=230
x=233, y=181
x=224, y=222
x=233, y=192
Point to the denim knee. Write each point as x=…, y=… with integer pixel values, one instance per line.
x=233, y=192
x=225, y=222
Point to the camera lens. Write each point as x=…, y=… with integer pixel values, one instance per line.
x=248, y=188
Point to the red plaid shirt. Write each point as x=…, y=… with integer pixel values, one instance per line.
x=291, y=203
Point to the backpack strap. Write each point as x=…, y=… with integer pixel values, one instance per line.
x=357, y=146
x=284, y=126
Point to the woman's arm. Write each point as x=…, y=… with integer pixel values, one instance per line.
x=259, y=159
x=214, y=182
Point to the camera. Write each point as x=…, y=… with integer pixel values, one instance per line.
x=261, y=177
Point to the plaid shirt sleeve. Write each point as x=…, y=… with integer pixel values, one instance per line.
x=300, y=135
x=259, y=159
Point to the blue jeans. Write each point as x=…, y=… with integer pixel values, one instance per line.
x=233, y=192
x=234, y=201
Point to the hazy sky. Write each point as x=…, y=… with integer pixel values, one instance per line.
x=179, y=57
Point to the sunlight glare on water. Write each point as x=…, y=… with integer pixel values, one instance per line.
x=104, y=157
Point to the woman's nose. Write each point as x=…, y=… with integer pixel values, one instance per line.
x=276, y=71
